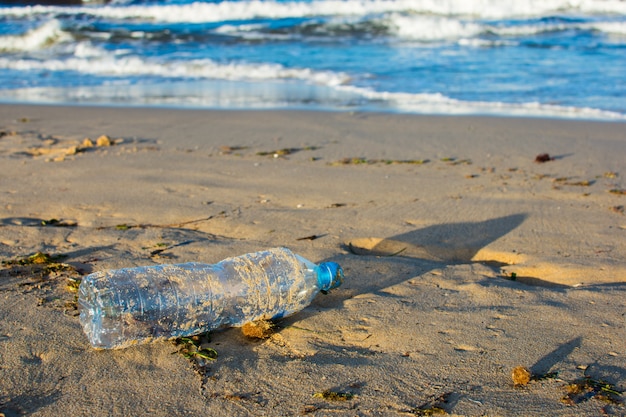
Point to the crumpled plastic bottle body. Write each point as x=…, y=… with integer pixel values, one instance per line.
x=128, y=306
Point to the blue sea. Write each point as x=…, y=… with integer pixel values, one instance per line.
x=546, y=58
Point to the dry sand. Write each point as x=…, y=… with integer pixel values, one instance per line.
x=464, y=259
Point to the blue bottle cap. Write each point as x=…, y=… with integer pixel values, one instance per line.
x=330, y=276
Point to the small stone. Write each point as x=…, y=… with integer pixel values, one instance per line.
x=103, y=140
x=521, y=376
x=543, y=157
x=260, y=329
x=87, y=143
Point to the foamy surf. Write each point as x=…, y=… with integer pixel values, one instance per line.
x=244, y=10
x=552, y=58
x=246, y=94
x=49, y=33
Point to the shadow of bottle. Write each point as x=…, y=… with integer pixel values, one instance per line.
x=413, y=253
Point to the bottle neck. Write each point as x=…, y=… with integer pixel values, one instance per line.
x=329, y=276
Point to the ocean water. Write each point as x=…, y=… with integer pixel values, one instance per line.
x=547, y=58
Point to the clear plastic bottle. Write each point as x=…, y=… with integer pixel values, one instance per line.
x=122, y=307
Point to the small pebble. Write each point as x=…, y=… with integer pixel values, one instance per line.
x=543, y=157
x=260, y=329
x=521, y=376
x=103, y=140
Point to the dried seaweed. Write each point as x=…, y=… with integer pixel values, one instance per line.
x=460, y=162
x=353, y=161
x=40, y=273
x=59, y=223
x=41, y=262
x=194, y=348
x=125, y=226
x=434, y=407
x=311, y=237
x=584, y=183
x=228, y=149
x=38, y=258
x=285, y=151
x=365, y=161
x=330, y=395
x=73, y=283
x=4, y=133
x=586, y=388
x=39, y=268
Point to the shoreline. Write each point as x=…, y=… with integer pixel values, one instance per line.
x=464, y=258
x=559, y=113
x=303, y=109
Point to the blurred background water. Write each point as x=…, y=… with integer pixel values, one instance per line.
x=552, y=58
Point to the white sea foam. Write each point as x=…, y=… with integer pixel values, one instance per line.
x=45, y=35
x=88, y=50
x=92, y=60
x=272, y=95
x=437, y=103
x=244, y=10
x=486, y=43
x=431, y=28
x=612, y=28
x=416, y=20
x=403, y=26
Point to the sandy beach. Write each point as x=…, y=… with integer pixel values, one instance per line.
x=465, y=256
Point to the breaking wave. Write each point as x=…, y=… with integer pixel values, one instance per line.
x=259, y=9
